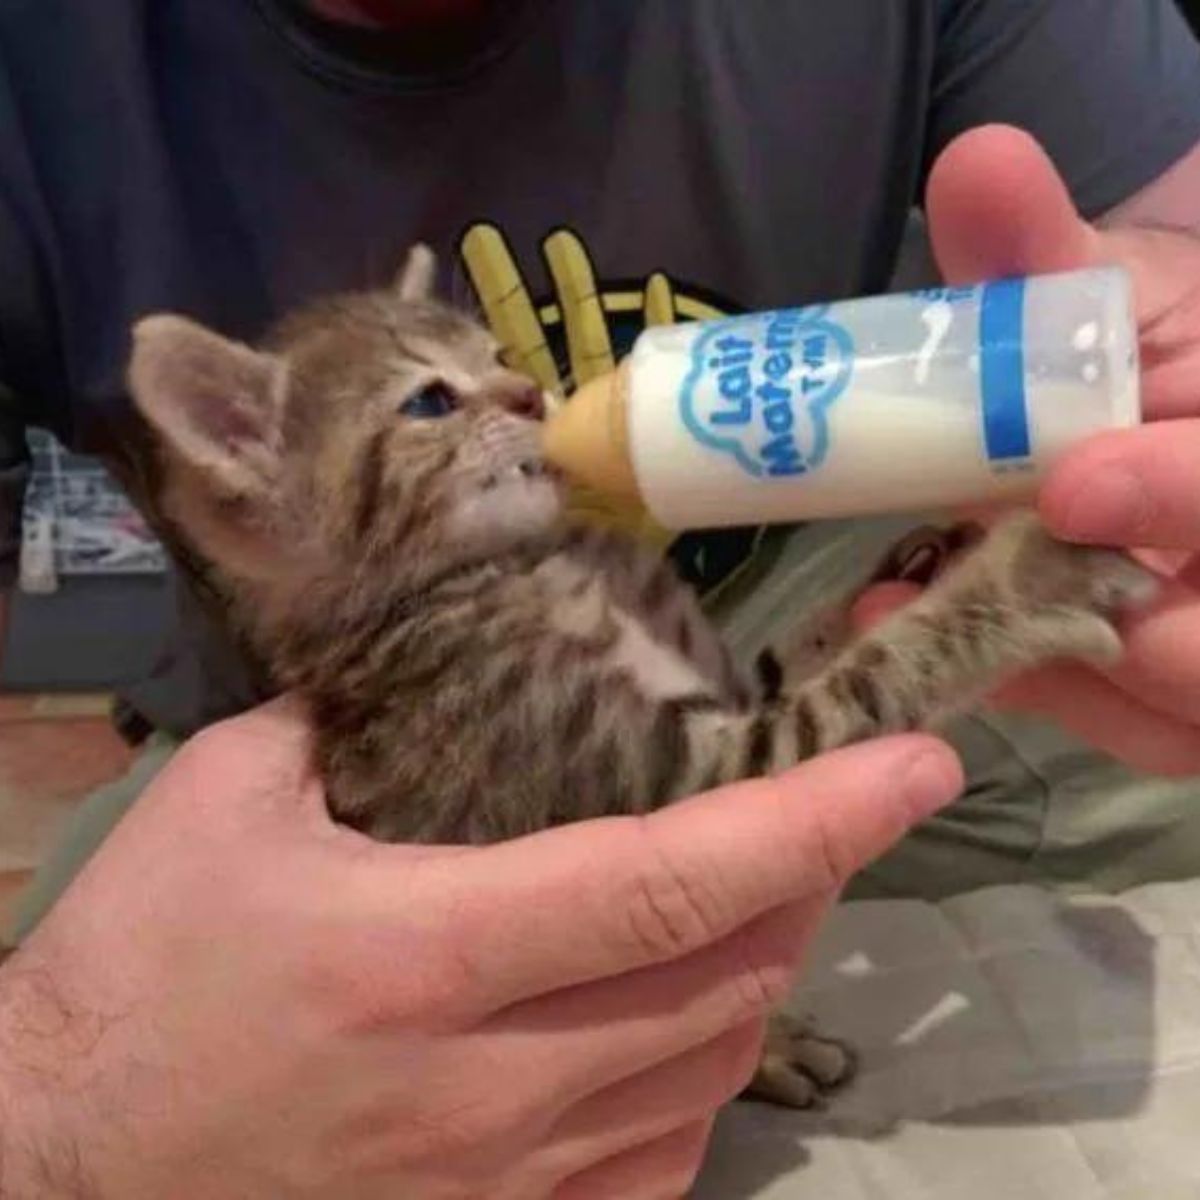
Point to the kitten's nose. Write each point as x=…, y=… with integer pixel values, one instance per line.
x=525, y=399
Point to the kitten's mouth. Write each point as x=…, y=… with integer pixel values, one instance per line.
x=526, y=470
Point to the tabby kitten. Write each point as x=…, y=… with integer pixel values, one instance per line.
x=368, y=487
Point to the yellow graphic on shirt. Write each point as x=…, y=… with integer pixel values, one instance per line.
x=585, y=317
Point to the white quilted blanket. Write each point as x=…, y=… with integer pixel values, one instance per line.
x=1016, y=1044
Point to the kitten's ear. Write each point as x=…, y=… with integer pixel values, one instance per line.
x=215, y=402
x=416, y=278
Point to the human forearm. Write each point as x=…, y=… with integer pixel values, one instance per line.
x=38, y=1158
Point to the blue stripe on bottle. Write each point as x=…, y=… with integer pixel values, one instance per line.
x=1002, y=370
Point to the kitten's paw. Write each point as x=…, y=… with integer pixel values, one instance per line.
x=1117, y=583
x=1068, y=594
x=799, y=1068
x=1041, y=570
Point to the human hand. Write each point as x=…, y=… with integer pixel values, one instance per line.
x=237, y=998
x=997, y=207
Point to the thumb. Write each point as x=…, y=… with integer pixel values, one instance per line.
x=998, y=207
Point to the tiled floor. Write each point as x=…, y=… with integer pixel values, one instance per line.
x=54, y=750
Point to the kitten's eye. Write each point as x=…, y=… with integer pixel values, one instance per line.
x=432, y=401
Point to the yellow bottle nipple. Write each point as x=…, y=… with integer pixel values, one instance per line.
x=588, y=437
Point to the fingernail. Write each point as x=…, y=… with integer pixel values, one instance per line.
x=1111, y=505
x=931, y=781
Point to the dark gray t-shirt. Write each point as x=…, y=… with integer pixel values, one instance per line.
x=230, y=158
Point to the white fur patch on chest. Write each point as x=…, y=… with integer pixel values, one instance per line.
x=661, y=671
x=585, y=609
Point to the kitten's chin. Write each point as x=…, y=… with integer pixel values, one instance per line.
x=511, y=507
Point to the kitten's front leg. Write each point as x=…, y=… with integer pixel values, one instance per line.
x=1019, y=599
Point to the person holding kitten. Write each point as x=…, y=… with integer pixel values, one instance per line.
x=237, y=997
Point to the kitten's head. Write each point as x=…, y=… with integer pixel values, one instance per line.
x=366, y=428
